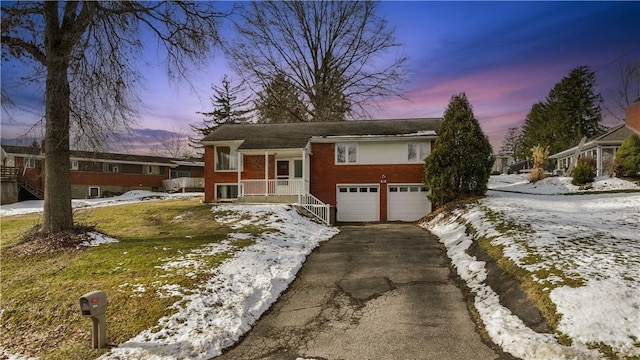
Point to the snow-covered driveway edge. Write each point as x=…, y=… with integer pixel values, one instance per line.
x=217, y=314
x=505, y=329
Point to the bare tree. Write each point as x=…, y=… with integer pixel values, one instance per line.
x=88, y=51
x=628, y=90
x=174, y=144
x=340, y=55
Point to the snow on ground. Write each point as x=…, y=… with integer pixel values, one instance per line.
x=98, y=239
x=554, y=185
x=34, y=206
x=218, y=313
x=588, y=243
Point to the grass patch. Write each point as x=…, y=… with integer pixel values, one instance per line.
x=40, y=313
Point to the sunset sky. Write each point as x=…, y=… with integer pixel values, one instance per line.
x=505, y=55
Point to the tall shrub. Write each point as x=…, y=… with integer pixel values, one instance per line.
x=461, y=159
x=628, y=156
x=540, y=157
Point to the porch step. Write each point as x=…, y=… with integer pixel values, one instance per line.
x=271, y=199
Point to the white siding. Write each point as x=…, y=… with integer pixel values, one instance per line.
x=396, y=152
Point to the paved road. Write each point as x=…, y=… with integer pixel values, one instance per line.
x=379, y=291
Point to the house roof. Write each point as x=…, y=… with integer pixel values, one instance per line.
x=297, y=135
x=103, y=156
x=615, y=136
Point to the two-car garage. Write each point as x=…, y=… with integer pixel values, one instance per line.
x=361, y=203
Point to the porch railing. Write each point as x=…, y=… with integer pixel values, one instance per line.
x=183, y=183
x=312, y=204
x=268, y=187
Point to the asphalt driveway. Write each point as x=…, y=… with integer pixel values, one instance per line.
x=375, y=291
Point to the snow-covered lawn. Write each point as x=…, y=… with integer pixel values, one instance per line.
x=217, y=313
x=590, y=244
x=35, y=206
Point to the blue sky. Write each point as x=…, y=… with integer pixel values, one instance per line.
x=505, y=55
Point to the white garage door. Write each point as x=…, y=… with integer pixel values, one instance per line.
x=356, y=203
x=407, y=202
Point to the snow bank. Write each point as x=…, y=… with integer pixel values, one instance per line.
x=588, y=243
x=218, y=313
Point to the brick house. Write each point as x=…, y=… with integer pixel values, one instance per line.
x=99, y=174
x=364, y=170
x=602, y=147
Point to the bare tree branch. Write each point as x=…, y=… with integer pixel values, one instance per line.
x=89, y=50
x=338, y=54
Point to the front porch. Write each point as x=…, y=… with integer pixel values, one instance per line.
x=271, y=187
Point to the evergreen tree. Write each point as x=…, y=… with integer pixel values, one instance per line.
x=281, y=102
x=461, y=159
x=510, y=141
x=628, y=156
x=230, y=106
x=570, y=111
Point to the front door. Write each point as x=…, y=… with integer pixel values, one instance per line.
x=288, y=176
x=282, y=177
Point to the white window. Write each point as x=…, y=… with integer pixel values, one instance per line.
x=30, y=162
x=75, y=165
x=94, y=192
x=417, y=152
x=346, y=153
x=226, y=158
x=152, y=169
x=109, y=167
x=180, y=174
x=224, y=192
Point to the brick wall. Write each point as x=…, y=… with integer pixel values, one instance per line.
x=633, y=116
x=325, y=175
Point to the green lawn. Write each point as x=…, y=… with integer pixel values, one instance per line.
x=40, y=313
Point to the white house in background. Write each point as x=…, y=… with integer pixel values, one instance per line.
x=602, y=147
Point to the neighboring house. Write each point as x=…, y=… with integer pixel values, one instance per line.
x=364, y=170
x=99, y=174
x=501, y=163
x=603, y=147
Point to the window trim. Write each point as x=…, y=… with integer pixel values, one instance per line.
x=94, y=187
x=232, y=164
x=226, y=184
x=75, y=165
x=29, y=162
x=346, y=154
x=420, y=156
x=148, y=170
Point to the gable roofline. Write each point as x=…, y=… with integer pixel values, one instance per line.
x=297, y=135
x=614, y=136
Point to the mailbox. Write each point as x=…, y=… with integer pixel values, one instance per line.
x=94, y=305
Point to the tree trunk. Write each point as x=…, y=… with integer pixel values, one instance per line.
x=57, y=214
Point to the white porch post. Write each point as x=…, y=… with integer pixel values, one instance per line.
x=266, y=173
x=599, y=170
x=239, y=165
x=305, y=184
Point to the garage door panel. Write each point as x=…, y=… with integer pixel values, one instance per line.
x=407, y=202
x=358, y=203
